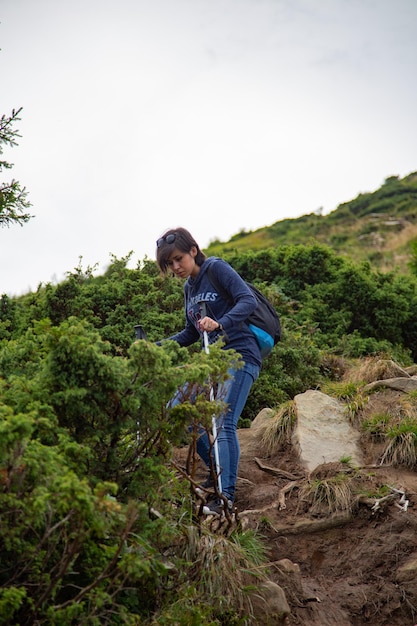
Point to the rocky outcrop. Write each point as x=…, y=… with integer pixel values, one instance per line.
x=323, y=433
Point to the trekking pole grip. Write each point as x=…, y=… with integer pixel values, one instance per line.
x=139, y=332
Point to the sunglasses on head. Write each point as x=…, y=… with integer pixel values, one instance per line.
x=166, y=239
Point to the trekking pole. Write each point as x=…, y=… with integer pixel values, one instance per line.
x=213, y=423
x=139, y=334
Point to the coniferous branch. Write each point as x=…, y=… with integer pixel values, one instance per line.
x=14, y=203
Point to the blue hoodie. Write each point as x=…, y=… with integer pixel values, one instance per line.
x=199, y=290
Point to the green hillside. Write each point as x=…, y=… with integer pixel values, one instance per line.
x=379, y=227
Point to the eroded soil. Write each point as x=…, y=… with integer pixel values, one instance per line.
x=348, y=560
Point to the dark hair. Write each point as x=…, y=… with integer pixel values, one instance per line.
x=176, y=239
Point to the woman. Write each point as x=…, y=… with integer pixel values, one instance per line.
x=178, y=252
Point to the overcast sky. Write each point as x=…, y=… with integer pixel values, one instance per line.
x=216, y=115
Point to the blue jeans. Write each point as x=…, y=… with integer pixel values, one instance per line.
x=234, y=392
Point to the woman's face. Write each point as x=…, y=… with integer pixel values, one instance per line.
x=183, y=264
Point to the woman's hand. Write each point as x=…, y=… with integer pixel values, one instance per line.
x=208, y=324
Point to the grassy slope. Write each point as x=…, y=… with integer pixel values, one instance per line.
x=378, y=227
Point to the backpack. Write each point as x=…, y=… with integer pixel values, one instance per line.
x=264, y=321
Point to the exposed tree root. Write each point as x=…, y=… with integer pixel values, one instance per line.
x=275, y=471
x=376, y=503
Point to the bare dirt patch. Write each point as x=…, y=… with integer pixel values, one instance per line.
x=348, y=560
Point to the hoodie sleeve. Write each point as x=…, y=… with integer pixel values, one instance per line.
x=187, y=336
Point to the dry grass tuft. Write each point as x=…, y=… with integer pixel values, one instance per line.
x=402, y=449
x=374, y=368
x=279, y=430
x=331, y=495
x=224, y=569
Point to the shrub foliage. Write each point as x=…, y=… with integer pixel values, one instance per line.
x=93, y=514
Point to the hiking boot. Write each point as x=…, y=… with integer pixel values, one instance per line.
x=207, y=485
x=216, y=507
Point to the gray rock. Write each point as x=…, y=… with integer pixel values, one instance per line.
x=269, y=605
x=407, y=385
x=323, y=433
